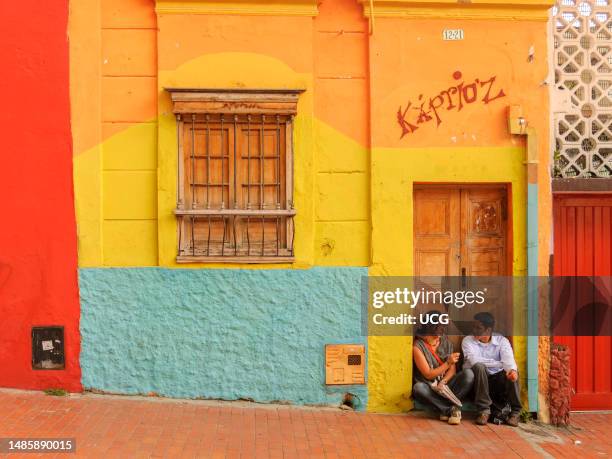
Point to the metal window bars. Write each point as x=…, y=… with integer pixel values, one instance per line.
x=234, y=200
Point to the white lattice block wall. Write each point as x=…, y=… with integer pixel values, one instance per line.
x=583, y=77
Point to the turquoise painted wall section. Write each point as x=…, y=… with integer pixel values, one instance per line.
x=218, y=333
x=533, y=310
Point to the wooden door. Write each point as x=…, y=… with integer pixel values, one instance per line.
x=583, y=247
x=460, y=230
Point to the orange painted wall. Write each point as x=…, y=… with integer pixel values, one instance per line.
x=128, y=98
x=117, y=88
x=118, y=48
x=408, y=58
x=341, y=102
x=355, y=173
x=341, y=69
x=113, y=89
x=331, y=48
x=405, y=58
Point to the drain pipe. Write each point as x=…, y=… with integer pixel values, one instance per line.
x=518, y=125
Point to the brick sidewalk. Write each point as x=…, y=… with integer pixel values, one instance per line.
x=137, y=427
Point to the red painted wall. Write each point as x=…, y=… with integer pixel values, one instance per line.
x=38, y=259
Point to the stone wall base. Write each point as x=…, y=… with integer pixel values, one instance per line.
x=560, y=385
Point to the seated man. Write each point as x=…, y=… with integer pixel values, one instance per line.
x=490, y=357
x=435, y=361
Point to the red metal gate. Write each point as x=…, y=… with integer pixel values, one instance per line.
x=583, y=247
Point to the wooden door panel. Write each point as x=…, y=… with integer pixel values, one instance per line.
x=433, y=215
x=431, y=262
x=436, y=232
x=483, y=231
x=486, y=262
x=483, y=248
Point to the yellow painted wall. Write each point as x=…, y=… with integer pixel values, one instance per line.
x=236, y=70
x=390, y=358
x=125, y=156
x=114, y=110
x=409, y=58
x=353, y=174
x=341, y=108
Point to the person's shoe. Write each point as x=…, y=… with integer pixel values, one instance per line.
x=444, y=417
x=482, y=419
x=513, y=420
x=455, y=416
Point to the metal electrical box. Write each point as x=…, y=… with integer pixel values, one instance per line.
x=48, y=348
x=344, y=364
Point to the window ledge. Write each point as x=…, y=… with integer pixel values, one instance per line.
x=230, y=259
x=236, y=212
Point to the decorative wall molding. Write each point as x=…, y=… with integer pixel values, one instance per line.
x=255, y=101
x=534, y=10
x=248, y=7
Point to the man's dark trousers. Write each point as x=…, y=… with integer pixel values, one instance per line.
x=495, y=388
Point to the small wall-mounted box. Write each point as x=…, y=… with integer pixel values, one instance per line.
x=344, y=364
x=48, y=348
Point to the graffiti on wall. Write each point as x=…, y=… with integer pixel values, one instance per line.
x=428, y=109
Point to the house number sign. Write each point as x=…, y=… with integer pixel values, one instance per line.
x=452, y=34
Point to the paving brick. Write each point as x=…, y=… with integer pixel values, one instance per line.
x=133, y=427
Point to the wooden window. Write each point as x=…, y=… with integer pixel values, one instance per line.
x=235, y=168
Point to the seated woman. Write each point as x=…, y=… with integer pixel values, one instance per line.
x=435, y=361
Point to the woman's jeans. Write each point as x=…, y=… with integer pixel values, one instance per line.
x=460, y=384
